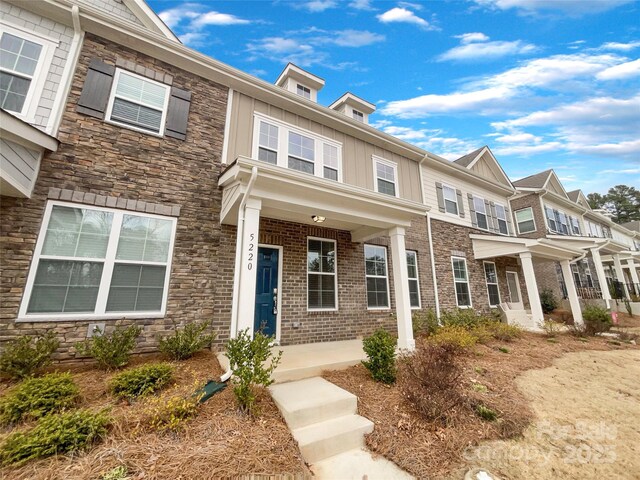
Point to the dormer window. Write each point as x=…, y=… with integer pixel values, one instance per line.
x=303, y=91
x=359, y=116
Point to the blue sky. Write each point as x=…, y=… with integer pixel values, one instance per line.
x=544, y=83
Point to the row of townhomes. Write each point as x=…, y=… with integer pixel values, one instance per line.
x=143, y=182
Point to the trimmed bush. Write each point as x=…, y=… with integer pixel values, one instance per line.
x=37, y=397
x=381, y=352
x=503, y=331
x=142, y=380
x=111, y=351
x=455, y=337
x=463, y=317
x=23, y=356
x=430, y=380
x=548, y=301
x=596, y=319
x=185, y=342
x=425, y=322
x=172, y=413
x=248, y=361
x=55, y=435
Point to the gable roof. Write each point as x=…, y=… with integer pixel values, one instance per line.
x=574, y=195
x=635, y=225
x=149, y=18
x=483, y=163
x=539, y=180
x=466, y=160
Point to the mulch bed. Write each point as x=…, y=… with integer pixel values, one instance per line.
x=220, y=442
x=435, y=450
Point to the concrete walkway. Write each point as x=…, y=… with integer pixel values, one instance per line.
x=355, y=465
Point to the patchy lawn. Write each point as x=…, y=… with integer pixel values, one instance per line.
x=433, y=450
x=219, y=442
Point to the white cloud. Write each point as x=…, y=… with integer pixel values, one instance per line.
x=315, y=5
x=625, y=47
x=175, y=16
x=626, y=149
x=403, y=15
x=617, y=72
x=217, y=18
x=628, y=171
x=518, y=137
x=280, y=49
x=355, y=38
x=570, y=7
x=528, y=149
x=361, y=5
x=476, y=46
x=193, y=39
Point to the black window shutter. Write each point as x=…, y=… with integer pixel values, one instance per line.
x=97, y=87
x=178, y=114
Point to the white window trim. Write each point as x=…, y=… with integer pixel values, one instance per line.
x=112, y=96
x=506, y=221
x=533, y=219
x=497, y=284
x=389, y=163
x=335, y=275
x=283, y=145
x=484, y=206
x=417, y=279
x=39, y=77
x=386, y=277
x=468, y=282
x=444, y=201
x=108, y=261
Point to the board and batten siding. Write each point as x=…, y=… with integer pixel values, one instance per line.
x=20, y=164
x=431, y=176
x=357, y=155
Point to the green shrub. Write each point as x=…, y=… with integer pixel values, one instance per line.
x=503, y=331
x=551, y=328
x=455, y=336
x=142, y=380
x=503, y=349
x=117, y=473
x=425, y=322
x=55, y=435
x=463, y=317
x=596, y=319
x=173, y=412
x=111, y=351
x=247, y=359
x=548, y=301
x=186, y=341
x=37, y=397
x=381, y=353
x=23, y=356
x=486, y=413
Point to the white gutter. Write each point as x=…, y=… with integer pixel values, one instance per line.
x=236, y=276
x=227, y=127
x=57, y=111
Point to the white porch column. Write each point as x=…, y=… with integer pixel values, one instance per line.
x=248, y=265
x=602, y=279
x=571, y=292
x=634, y=273
x=401, y=288
x=617, y=265
x=537, y=315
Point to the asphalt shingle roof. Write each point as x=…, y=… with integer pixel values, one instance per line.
x=533, y=181
x=465, y=160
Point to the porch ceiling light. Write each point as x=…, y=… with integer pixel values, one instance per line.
x=318, y=218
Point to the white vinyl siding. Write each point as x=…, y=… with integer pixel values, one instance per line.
x=138, y=103
x=322, y=280
x=97, y=262
x=377, y=277
x=525, y=221
x=461, y=282
x=414, y=284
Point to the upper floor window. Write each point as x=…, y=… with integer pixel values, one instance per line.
x=386, y=177
x=24, y=59
x=501, y=216
x=525, y=221
x=575, y=226
x=359, y=116
x=95, y=261
x=561, y=222
x=551, y=219
x=286, y=146
x=450, y=199
x=481, y=212
x=303, y=91
x=138, y=102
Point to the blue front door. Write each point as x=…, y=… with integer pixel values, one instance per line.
x=266, y=291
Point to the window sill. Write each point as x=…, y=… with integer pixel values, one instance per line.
x=90, y=318
x=134, y=128
x=321, y=310
x=378, y=309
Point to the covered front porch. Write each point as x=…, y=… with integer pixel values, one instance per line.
x=299, y=257
x=487, y=247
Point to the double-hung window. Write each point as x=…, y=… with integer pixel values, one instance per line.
x=575, y=226
x=491, y=276
x=98, y=262
x=377, y=276
x=561, y=222
x=414, y=285
x=450, y=199
x=525, y=221
x=501, y=217
x=268, y=143
x=551, y=219
x=138, y=102
x=481, y=212
x=461, y=282
x=321, y=274
x=303, y=91
x=386, y=174
x=301, y=153
x=330, y=161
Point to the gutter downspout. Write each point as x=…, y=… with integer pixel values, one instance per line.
x=67, y=77
x=430, y=239
x=236, y=277
x=227, y=127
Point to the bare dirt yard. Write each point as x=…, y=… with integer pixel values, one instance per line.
x=564, y=383
x=219, y=442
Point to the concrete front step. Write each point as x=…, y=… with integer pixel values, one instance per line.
x=332, y=437
x=311, y=401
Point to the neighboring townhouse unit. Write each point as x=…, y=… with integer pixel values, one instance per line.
x=607, y=261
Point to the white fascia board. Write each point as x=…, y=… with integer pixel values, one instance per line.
x=495, y=161
x=353, y=100
x=15, y=130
